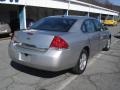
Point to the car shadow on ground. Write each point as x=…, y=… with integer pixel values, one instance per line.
x=117, y=35
x=37, y=72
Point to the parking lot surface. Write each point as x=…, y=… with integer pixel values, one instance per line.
x=102, y=73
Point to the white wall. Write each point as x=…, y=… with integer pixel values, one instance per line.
x=77, y=6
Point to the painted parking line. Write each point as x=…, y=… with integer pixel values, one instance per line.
x=94, y=59
x=70, y=79
x=66, y=82
x=114, y=42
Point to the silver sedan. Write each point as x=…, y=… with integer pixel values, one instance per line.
x=60, y=42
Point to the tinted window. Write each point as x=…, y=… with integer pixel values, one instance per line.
x=54, y=24
x=97, y=25
x=89, y=26
x=83, y=28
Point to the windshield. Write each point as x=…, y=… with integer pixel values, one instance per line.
x=54, y=24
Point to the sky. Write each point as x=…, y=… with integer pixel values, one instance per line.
x=117, y=2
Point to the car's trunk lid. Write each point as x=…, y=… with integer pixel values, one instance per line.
x=35, y=38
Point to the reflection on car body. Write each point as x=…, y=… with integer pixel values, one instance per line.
x=60, y=42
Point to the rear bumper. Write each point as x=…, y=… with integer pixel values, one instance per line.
x=51, y=60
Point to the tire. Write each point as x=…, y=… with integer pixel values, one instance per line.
x=107, y=47
x=82, y=63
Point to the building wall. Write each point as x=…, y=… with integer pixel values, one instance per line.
x=37, y=13
x=8, y=12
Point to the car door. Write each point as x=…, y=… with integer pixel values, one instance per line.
x=102, y=32
x=93, y=35
x=104, y=36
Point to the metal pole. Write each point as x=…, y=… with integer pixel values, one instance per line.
x=89, y=11
x=22, y=17
x=68, y=7
x=100, y=17
x=113, y=17
x=88, y=14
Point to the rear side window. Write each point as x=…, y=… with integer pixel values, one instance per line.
x=54, y=24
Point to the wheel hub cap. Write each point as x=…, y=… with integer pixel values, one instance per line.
x=83, y=61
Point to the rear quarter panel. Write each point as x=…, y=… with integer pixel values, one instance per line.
x=77, y=41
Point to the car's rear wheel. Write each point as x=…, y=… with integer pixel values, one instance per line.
x=107, y=47
x=82, y=63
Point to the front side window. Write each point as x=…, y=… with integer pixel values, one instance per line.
x=89, y=26
x=54, y=24
x=98, y=25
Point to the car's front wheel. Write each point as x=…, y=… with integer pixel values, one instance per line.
x=82, y=63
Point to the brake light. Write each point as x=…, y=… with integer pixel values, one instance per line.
x=59, y=43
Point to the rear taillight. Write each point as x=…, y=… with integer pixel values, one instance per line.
x=59, y=43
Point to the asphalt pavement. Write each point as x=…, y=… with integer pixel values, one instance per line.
x=102, y=72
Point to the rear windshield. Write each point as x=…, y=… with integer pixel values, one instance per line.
x=54, y=24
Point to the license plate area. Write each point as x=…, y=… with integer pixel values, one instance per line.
x=24, y=57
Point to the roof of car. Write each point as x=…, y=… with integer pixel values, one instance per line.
x=72, y=17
